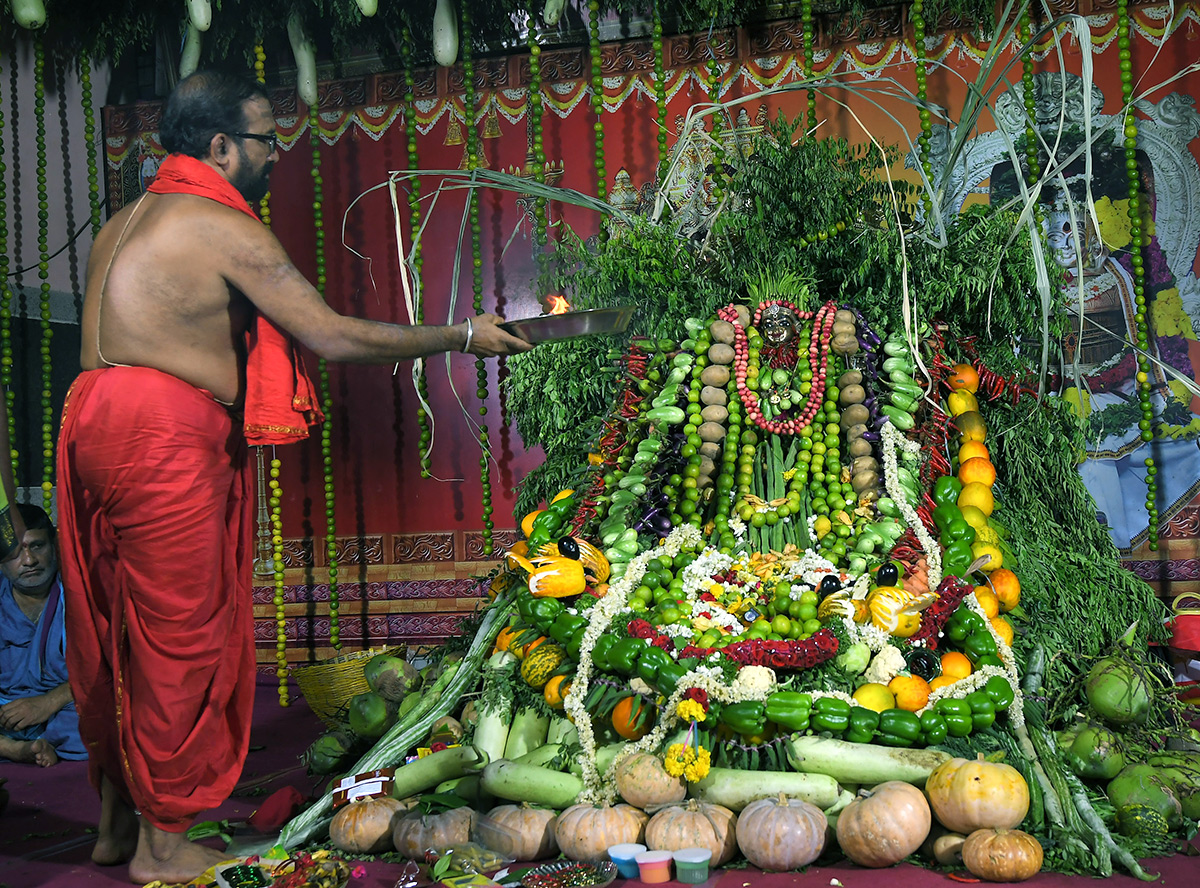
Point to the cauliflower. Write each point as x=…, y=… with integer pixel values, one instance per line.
x=640, y=687
x=755, y=679
x=886, y=665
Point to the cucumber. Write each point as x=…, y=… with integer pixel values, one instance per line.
x=528, y=731
x=530, y=783
x=666, y=415
x=896, y=348
x=900, y=419
x=863, y=763
x=905, y=403
x=735, y=789
x=898, y=365
x=437, y=767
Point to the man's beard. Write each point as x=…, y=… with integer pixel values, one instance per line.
x=252, y=184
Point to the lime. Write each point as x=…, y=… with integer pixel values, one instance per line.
x=644, y=594
x=781, y=625
x=807, y=612
x=811, y=626
x=809, y=596
x=669, y=614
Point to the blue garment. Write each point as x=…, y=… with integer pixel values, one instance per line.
x=32, y=662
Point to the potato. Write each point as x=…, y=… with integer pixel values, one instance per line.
x=845, y=344
x=711, y=431
x=864, y=481
x=852, y=394
x=860, y=447
x=720, y=353
x=710, y=394
x=850, y=377
x=842, y=329
x=715, y=374
x=743, y=314
x=856, y=431
x=853, y=415
x=866, y=497
x=711, y=449
x=864, y=464
x=714, y=413
x=722, y=331
x=845, y=315
x=703, y=481
x=707, y=466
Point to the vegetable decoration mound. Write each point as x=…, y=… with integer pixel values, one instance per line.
x=792, y=547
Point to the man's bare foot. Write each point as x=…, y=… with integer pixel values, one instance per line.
x=32, y=752
x=118, y=832
x=169, y=857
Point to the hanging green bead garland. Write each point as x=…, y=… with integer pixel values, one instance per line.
x=1141, y=316
x=921, y=69
x=597, y=101
x=469, y=104
x=6, y=351
x=1029, y=89
x=660, y=88
x=414, y=207
x=535, y=130
x=39, y=106
x=713, y=78
x=314, y=140
x=89, y=137
x=809, y=41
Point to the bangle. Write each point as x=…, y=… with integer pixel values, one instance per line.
x=470, y=335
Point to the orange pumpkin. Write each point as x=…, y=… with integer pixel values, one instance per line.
x=414, y=834
x=969, y=795
x=694, y=825
x=642, y=781
x=585, y=832
x=365, y=826
x=884, y=825
x=632, y=718
x=520, y=832
x=781, y=834
x=1002, y=855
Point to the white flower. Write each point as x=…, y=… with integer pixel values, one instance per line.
x=885, y=665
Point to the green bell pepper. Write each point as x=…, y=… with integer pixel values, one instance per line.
x=945, y=515
x=863, y=724
x=957, y=558
x=983, y=710
x=933, y=728
x=549, y=521
x=525, y=606
x=623, y=656
x=979, y=644
x=748, y=718
x=563, y=508
x=575, y=642
x=668, y=676
x=956, y=530
x=544, y=611
x=565, y=626
x=962, y=623
x=604, y=644
x=957, y=714
x=946, y=490
x=650, y=661
x=1000, y=692
x=830, y=715
x=899, y=727
x=989, y=660
x=790, y=709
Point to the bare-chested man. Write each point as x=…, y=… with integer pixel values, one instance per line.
x=154, y=499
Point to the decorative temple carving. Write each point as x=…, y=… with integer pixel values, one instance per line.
x=410, y=548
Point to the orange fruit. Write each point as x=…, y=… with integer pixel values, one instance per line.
x=971, y=426
x=527, y=521
x=1007, y=588
x=977, y=469
x=874, y=696
x=971, y=450
x=988, y=601
x=964, y=376
x=961, y=401
x=978, y=495
x=912, y=692
x=1004, y=629
x=956, y=665
x=942, y=681
x=632, y=718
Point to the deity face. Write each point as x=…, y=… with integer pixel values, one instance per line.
x=778, y=326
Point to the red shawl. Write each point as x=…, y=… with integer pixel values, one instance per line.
x=281, y=401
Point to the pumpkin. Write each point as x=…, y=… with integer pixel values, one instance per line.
x=585, y=832
x=642, y=780
x=519, y=831
x=1002, y=855
x=365, y=826
x=884, y=825
x=539, y=664
x=416, y=833
x=969, y=795
x=694, y=825
x=781, y=833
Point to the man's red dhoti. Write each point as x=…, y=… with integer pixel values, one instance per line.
x=155, y=512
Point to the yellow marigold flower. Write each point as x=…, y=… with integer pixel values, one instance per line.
x=676, y=759
x=1168, y=317
x=1113, y=216
x=690, y=710
x=698, y=769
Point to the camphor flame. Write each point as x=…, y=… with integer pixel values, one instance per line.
x=558, y=304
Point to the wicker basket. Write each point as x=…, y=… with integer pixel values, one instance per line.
x=329, y=684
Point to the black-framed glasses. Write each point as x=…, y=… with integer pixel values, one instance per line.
x=271, y=140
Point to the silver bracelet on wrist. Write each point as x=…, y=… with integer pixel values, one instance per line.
x=470, y=335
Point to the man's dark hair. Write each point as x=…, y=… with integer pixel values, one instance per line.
x=202, y=105
x=35, y=518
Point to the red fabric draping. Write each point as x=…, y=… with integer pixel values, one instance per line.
x=281, y=402
x=155, y=510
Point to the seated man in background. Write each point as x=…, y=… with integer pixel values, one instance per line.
x=38, y=722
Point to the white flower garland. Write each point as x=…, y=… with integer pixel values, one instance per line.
x=893, y=439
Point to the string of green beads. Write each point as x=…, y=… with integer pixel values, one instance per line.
x=39, y=109
x=6, y=352
x=276, y=510
x=1033, y=167
x=535, y=129
x=314, y=139
x=809, y=50
x=916, y=11
x=89, y=138
x=660, y=87
x=597, y=101
x=1141, y=316
x=414, y=208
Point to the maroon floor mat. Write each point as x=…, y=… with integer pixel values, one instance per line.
x=47, y=831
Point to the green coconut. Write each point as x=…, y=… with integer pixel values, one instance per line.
x=1140, y=787
x=329, y=753
x=1092, y=751
x=370, y=715
x=390, y=677
x=1181, y=771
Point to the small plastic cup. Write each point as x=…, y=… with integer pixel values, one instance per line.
x=691, y=865
x=654, y=866
x=625, y=857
